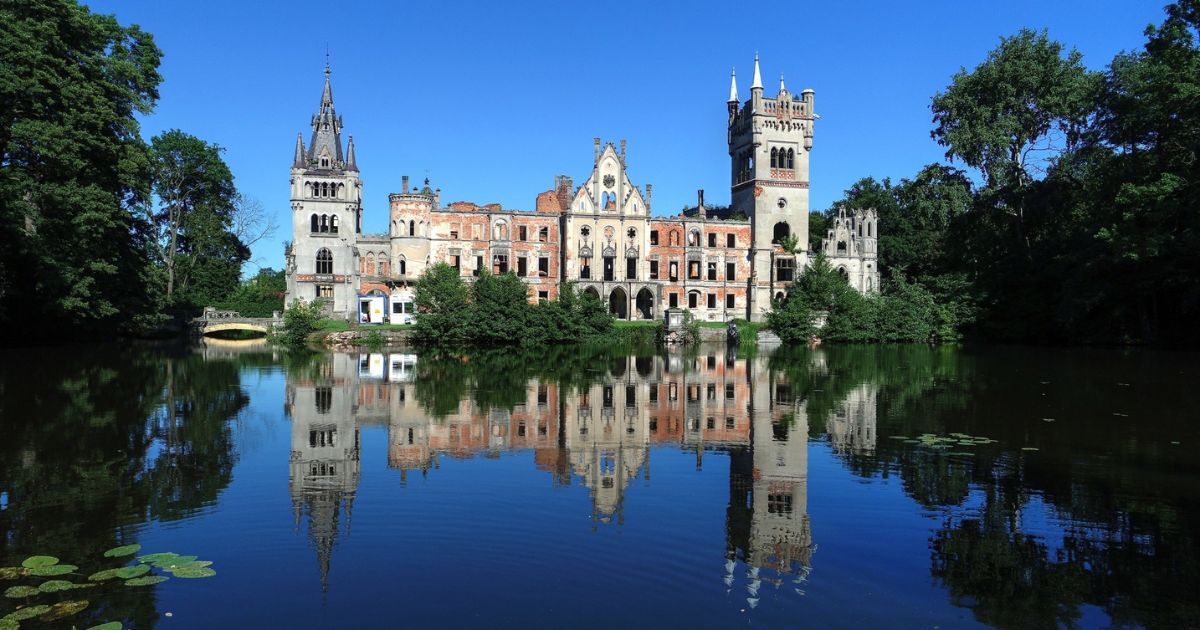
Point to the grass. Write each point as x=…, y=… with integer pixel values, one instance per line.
x=637, y=323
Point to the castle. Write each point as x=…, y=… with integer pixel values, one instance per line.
x=601, y=235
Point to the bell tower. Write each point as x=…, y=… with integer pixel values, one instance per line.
x=770, y=139
x=326, y=198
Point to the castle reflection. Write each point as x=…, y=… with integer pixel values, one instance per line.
x=599, y=434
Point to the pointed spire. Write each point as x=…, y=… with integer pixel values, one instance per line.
x=733, y=95
x=327, y=93
x=782, y=87
x=757, y=84
x=298, y=161
x=351, y=165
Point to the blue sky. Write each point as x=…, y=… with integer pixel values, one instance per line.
x=491, y=100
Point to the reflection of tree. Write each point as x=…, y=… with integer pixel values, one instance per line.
x=1128, y=543
x=97, y=443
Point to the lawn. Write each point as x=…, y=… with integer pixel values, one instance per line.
x=339, y=325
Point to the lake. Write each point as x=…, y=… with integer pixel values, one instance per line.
x=881, y=486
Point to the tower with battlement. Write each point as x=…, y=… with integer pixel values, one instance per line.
x=770, y=138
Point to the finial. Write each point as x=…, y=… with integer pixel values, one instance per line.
x=757, y=84
x=327, y=60
x=782, y=87
x=733, y=95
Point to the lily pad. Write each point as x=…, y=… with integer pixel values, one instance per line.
x=22, y=591
x=120, y=552
x=13, y=573
x=9, y=624
x=898, y=437
x=112, y=625
x=53, y=570
x=177, y=561
x=962, y=453
x=101, y=576
x=193, y=572
x=32, y=562
x=1029, y=448
x=56, y=586
x=29, y=612
x=151, y=558
x=137, y=570
x=146, y=580
x=195, y=564
x=64, y=609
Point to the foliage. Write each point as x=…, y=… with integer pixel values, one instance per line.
x=193, y=223
x=904, y=312
x=790, y=243
x=495, y=311
x=72, y=169
x=259, y=296
x=299, y=321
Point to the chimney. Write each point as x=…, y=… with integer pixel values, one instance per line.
x=649, y=191
x=700, y=201
x=622, y=151
x=404, y=184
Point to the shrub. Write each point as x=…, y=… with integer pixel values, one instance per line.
x=299, y=321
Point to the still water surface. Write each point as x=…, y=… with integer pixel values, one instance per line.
x=588, y=488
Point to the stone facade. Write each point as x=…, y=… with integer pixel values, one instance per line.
x=601, y=235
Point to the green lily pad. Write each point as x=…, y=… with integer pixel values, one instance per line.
x=32, y=562
x=64, y=609
x=101, y=576
x=193, y=572
x=174, y=562
x=965, y=443
x=120, y=552
x=195, y=564
x=1029, y=448
x=21, y=591
x=146, y=580
x=13, y=573
x=53, y=570
x=940, y=447
x=29, y=612
x=898, y=437
x=56, y=586
x=137, y=570
x=151, y=558
x=962, y=453
x=9, y=624
x=112, y=625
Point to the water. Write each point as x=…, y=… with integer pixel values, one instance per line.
x=592, y=489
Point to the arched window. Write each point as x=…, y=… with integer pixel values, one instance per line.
x=791, y=159
x=316, y=224
x=870, y=232
x=369, y=265
x=782, y=231
x=401, y=267
x=774, y=158
x=841, y=248
x=412, y=228
x=333, y=224
x=325, y=160
x=324, y=261
x=385, y=265
x=324, y=222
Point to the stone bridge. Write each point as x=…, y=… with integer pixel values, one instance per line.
x=213, y=321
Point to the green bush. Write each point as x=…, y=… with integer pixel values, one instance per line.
x=495, y=311
x=299, y=321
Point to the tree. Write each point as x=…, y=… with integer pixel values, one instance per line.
x=500, y=310
x=441, y=298
x=1013, y=114
x=195, y=218
x=72, y=168
x=259, y=296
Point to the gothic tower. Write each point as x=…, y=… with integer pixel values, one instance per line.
x=326, y=213
x=769, y=142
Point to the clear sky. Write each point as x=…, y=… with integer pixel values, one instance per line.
x=490, y=100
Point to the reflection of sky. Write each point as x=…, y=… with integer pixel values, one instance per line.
x=496, y=542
